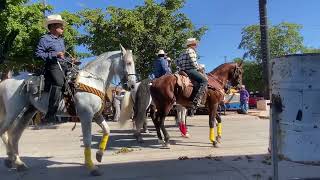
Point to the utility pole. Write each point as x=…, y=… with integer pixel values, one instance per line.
x=44, y=2
x=225, y=59
x=265, y=52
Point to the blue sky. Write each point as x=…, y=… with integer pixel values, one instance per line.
x=225, y=19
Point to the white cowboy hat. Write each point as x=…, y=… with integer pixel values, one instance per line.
x=161, y=51
x=191, y=41
x=54, y=19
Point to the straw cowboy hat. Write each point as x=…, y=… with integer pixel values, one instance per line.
x=161, y=51
x=191, y=41
x=54, y=19
x=202, y=66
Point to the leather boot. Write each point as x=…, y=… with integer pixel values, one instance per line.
x=198, y=97
x=54, y=100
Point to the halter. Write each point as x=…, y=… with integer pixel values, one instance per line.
x=127, y=75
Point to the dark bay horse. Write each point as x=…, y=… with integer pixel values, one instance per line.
x=165, y=91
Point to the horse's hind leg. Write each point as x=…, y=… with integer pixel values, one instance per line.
x=14, y=135
x=162, y=117
x=105, y=137
x=156, y=122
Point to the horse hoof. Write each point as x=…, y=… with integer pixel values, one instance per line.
x=8, y=163
x=146, y=131
x=219, y=138
x=22, y=167
x=167, y=145
x=161, y=142
x=215, y=144
x=186, y=135
x=140, y=140
x=99, y=155
x=95, y=172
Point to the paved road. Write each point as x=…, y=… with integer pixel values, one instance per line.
x=57, y=154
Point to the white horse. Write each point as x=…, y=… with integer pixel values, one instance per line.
x=17, y=106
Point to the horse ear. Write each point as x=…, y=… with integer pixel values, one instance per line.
x=240, y=63
x=124, y=51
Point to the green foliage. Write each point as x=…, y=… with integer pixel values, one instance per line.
x=311, y=50
x=284, y=39
x=144, y=29
x=28, y=20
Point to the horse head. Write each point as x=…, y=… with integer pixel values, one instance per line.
x=127, y=69
x=235, y=74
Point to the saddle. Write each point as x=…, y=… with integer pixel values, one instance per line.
x=187, y=85
x=36, y=85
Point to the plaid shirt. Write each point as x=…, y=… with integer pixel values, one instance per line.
x=187, y=60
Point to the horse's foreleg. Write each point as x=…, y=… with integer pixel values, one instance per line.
x=212, y=115
x=105, y=137
x=8, y=161
x=15, y=132
x=219, y=129
x=86, y=124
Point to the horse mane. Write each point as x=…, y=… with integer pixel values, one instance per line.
x=102, y=57
x=220, y=66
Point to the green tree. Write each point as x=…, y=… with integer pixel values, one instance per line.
x=284, y=39
x=28, y=21
x=311, y=50
x=144, y=29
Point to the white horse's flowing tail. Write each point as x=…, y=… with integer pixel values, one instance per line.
x=142, y=102
x=126, y=109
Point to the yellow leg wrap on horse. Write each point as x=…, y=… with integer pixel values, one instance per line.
x=219, y=129
x=104, y=141
x=211, y=135
x=87, y=158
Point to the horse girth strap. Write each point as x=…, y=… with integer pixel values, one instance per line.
x=84, y=88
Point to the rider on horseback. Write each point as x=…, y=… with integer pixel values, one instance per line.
x=187, y=62
x=161, y=65
x=51, y=49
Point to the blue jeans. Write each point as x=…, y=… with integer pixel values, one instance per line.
x=244, y=106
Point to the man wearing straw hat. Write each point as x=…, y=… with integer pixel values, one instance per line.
x=51, y=49
x=160, y=65
x=187, y=62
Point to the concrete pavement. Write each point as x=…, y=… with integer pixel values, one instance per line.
x=57, y=153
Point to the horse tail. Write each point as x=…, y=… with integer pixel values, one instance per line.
x=2, y=107
x=142, y=102
x=126, y=109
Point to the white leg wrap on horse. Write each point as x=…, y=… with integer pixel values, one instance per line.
x=105, y=127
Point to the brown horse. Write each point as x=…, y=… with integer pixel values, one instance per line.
x=167, y=90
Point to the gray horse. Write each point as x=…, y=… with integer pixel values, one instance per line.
x=17, y=106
